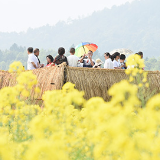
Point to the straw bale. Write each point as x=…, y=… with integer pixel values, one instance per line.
x=7, y=79
x=154, y=81
x=96, y=82
x=51, y=78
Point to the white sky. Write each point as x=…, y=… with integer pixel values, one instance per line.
x=19, y=15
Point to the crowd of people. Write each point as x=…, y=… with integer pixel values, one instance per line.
x=114, y=61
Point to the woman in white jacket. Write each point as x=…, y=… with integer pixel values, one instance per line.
x=108, y=62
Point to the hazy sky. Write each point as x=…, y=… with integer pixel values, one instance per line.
x=19, y=15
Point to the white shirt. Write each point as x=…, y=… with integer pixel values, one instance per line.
x=87, y=63
x=72, y=60
x=108, y=64
x=32, y=58
x=116, y=64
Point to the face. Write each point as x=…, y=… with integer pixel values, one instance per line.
x=118, y=57
x=37, y=53
x=90, y=54
x=48, y=60
x=122, y=60
x=105, y=56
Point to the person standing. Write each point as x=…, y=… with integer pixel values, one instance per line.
x=60, y=58
x=87, y=60
x=108, y=62
x=72, y=59
x=50, y=61
x=122, y=61
x=36, y=53
x=140, y=54
x=32, y=62
x=116, y=63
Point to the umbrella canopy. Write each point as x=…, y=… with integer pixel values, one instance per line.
x=122, y=51
x=84, y=47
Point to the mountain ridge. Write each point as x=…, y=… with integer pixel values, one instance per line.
x=135, y=26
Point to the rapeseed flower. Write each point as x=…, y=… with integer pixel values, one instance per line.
x=70, y=127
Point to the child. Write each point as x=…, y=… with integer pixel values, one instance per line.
x=122, y=63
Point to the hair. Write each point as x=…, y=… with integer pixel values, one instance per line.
x=36, y=50
x=123, y=57
x=61, y=51
x=140, y=53
x=30, y=50
x=72, y=50
x=51, y=58
x=108, y=54
x=113, y=56
x=90, y=51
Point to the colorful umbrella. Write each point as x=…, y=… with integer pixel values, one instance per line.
x=84, y=47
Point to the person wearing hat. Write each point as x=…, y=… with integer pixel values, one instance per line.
x=98, y=63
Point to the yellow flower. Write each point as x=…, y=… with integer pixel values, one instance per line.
x=16, y=66
x=66, y=126
x=147, y=85
x=144, y=80
x=140, y=85
x=131, y=79
x=37, y=90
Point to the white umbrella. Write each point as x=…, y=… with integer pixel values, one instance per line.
x=122, y=51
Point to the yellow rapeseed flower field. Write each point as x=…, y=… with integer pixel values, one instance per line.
x=71, y=128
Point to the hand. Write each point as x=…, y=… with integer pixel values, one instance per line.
x=41, y=65
x=89, y=56
x=122, y=66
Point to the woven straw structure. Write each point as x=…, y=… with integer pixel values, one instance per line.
x=7, y=79
x=154, y=81
x=48, y=79
x=96, y=82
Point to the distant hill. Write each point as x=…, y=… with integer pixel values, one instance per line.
x=135, y=26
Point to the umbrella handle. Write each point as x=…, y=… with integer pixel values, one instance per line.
x=84, y=49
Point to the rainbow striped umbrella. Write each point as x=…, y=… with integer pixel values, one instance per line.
x=84, y=47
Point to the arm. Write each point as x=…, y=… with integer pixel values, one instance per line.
x=90, y=58
x=39, y=66
x=115, y=65
x=81, y=60
x=34, y=65
x=92, y=63
x=117, y=68
x=54, y=61
x=52, y=64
